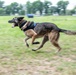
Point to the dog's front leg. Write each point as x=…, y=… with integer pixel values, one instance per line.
x=26, y=41
x=34, y=36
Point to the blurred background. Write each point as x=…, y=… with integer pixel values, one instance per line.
x=38, y=7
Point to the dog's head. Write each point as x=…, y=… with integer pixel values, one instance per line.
x=15, y=21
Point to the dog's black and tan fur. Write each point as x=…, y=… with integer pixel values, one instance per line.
x=48, y=31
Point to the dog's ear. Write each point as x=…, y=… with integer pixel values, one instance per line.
x=20, y=18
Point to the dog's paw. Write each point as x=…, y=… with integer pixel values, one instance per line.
x=33, y=49
x=36, y=42
x=27, y=45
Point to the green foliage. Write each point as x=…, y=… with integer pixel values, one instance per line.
x=22, y=12
x=62, y=5
x=2, y=8
x=73, y=11
x=36, y=7
x=47, y=6
x=29, y=7
x=1, y=4
x=2, y=11
x=14, y=8
x=53, y=9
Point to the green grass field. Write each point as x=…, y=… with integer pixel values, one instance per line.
x=17, y=59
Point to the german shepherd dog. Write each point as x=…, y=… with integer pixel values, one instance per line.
x=48, y=31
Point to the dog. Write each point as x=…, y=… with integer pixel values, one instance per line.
x=49, y=31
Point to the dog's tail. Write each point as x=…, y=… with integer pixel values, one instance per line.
x=68, y=32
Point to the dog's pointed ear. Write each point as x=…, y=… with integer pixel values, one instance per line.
x=20, y=18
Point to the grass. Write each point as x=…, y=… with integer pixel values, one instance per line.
x=17, y=59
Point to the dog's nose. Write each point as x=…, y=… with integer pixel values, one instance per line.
x=9, y=21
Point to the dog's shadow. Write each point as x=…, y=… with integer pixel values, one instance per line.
x=49, y=53
x=45, y=52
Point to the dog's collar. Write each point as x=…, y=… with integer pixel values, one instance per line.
x=31, y=26
x=25, y=25
x=22, y=24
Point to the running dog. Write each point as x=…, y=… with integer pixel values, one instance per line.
x=49, y=31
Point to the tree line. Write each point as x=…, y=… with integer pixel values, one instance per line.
x=36, y=7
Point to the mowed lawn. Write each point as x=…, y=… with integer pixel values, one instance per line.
x=17, y=59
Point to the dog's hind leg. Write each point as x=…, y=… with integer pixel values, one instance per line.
x=26, y=41
x=53, y=37
x=45, y=39
x=55, y=43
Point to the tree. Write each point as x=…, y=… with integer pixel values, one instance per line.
x=38, y=6
x=21, y=10
x=61, y=6
x=73, y=11
x=8, y=10
x=53, y=9
x=68, y=12
x=2, y=11
x=2, y=8
x=29, y=7
x=1, y=4
x=47, y=5
x=14, y=8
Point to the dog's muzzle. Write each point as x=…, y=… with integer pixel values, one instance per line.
x=10, y=21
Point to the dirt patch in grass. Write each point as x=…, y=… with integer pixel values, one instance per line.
x=55, y=66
